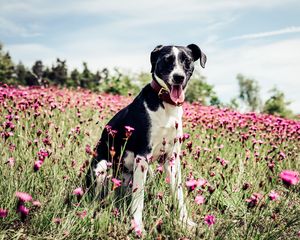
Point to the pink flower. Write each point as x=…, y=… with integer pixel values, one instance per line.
x=167, y=180
x=117, y=183
x=88, y=149
x=185, y=136
x=129, y=131
x=199, y=199
x=81, y=214
x=210, y=220
x=78, y=191
x=24, y=211
x=273, y=196
x=57, y=220
x=201, y=182
x=11, y=162
x=224, y=162
x=289, y=177
x=23, y=196
x=37, y=165
x=36, y=203
x=254, y=199
x=42, y=154
x=136, y=228
x=3, y=213
x=191, y=183
x=160, y=169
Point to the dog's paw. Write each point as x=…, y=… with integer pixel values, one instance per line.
x=137, y=227
x=189, y=223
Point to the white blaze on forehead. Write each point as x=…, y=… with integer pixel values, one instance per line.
x=178, y=66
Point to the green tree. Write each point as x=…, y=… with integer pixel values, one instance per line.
x=6, y=68
x=86, y=77
x=249, y=93
x=118, y=83
x=233, y=104
x=277, y=105
x=74, y=80
x=199, y=90
x=21, y=73
x=38, y=71
x=59, y=73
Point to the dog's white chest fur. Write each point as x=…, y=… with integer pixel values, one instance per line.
x=166, y=125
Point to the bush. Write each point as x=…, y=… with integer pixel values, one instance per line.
x=277, y=105
x=199, y=90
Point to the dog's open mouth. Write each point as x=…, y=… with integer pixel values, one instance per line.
x=177, y=94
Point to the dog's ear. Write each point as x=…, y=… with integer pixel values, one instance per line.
x=197, y=53
x=154, y=55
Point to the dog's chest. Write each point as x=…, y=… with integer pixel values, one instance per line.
x=166, y=126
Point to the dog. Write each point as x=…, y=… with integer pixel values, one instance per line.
x=146, y=131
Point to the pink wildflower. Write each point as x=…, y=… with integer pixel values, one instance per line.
x=129, y=131
x=11, y=162
x=201, y=182
x=273, y=196
x=224, y=162
x=81, y=214
x=24, y=211
x=117, y=183
x=3, y=213
x=210, y=220
x=37, y=165
x=78, y=191
x=57, y=220
x=199, y=199
x=88, y=149
x=191, y=183
x=23, y=196
x=36, y=203
x=289, y=177
x=160, y=169
x=254, y=199
x=136, y=228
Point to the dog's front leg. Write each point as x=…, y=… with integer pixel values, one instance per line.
x=173, y=170
x=139, y=178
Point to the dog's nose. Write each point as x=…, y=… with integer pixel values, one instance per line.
x=178, y=79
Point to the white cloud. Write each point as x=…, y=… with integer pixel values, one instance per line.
x=8, y=27
x=286, y=30
x=29, y=53
x=275, y=64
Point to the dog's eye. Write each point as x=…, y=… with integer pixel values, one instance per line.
x=187, y=63
x=168, y=59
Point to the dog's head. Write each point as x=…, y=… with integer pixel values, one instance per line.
x=172, y=67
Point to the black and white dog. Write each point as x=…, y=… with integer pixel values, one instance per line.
x=156, y=117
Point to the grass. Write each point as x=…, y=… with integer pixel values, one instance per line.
x=256, y=148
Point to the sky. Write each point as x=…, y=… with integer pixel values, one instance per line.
x=257, y=38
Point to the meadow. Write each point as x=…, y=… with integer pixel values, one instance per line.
x=240, y=172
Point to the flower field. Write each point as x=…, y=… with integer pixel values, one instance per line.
x=240, y=172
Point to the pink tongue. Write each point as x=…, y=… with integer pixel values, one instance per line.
x=177, y=94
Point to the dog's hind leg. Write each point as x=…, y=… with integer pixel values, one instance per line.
x=100, y=173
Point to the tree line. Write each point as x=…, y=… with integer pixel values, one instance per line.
x=117, y=82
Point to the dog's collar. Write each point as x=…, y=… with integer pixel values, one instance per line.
x=163, y=93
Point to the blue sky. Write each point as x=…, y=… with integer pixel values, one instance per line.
x=258, y=38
